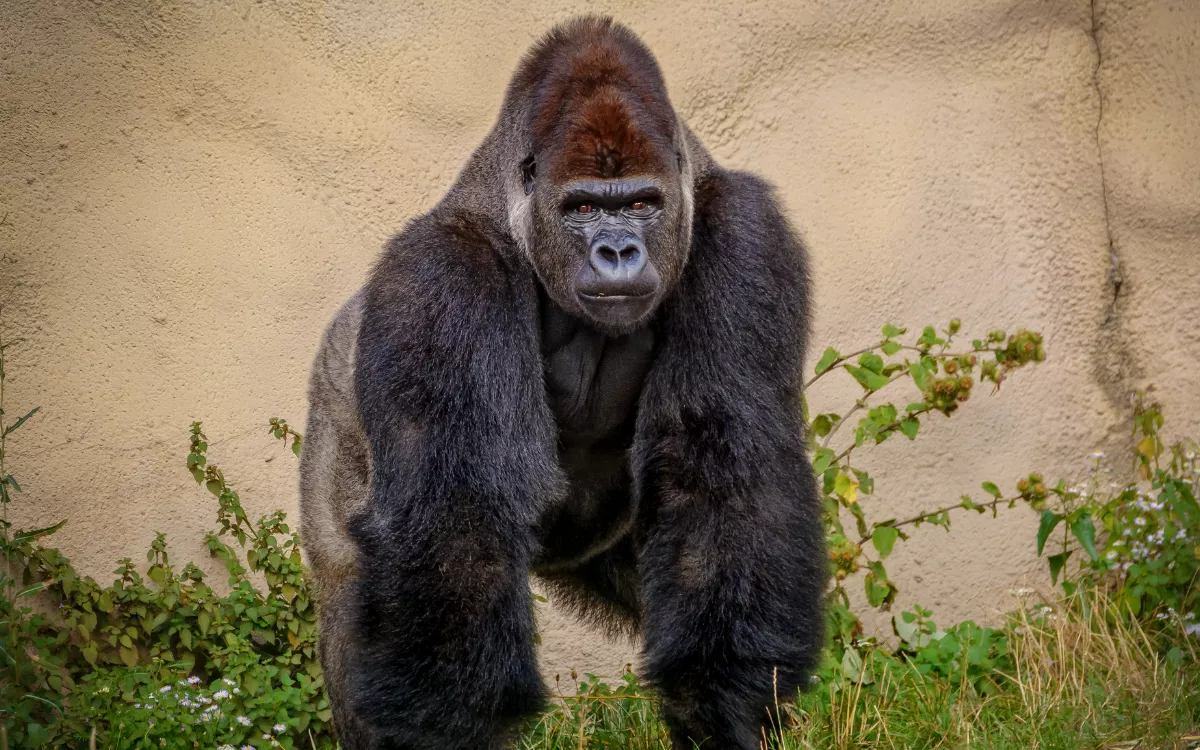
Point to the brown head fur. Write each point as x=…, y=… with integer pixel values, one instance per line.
x=599, y=106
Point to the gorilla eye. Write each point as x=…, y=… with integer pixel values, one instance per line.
x=584, y=208
x=637, y=205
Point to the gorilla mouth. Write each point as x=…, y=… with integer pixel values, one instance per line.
x=618, y=311
x=615, y=297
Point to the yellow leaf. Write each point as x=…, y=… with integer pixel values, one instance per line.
x=846, y=488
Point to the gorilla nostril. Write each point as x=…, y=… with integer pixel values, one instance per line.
x=609, y=256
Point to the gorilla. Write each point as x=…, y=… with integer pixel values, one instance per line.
x=584, y=364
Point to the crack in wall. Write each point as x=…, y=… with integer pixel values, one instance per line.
x=1114, y=364
x=1116, y=278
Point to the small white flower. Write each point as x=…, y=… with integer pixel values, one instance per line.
x=193, y=680
x=1112, y=554
x=228, y=681
x=280, y=727
x=266, y=736
x=165, y=689
x=243, y=721
x=1140, y=521
x=236, y=691
x=104, y=689
x=221, y=695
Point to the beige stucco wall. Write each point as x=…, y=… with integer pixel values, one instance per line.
x=189, y=189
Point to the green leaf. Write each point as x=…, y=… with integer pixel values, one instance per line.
x=891, y=331
x=202, y=620
x=821, y=461
x=36, y=734
x=920, y=375
x=822, y=425
x=89, y=652
x=890, y=347
x=13, y=427
x=880, y=592
x=827, y=359
x=1050, y=519
x=873, y=362
x=872, y=381
x=1085, y=532
x=28, y=536
x=852, y=665
x=865, y=482
x=884, y=538
x=992, y=490
x=1056, y=564
x=909, y=426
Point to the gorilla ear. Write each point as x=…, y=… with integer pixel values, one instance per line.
x=528, y=172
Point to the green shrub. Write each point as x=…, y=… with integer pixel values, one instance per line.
x=165, y=657
x=159, y=658
x=1138, y=542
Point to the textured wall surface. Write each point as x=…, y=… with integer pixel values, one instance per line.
x=188, y=191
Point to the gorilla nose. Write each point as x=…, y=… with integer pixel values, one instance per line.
x=618, y=262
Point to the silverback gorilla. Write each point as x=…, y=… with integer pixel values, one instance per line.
x=583, y=363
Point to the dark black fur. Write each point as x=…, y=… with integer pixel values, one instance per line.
x=720, y=564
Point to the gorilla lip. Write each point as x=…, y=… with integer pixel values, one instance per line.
x=621, y=309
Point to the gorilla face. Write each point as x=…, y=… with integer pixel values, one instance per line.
x=608, y=250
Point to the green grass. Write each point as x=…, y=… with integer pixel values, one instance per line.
x=1075, y=685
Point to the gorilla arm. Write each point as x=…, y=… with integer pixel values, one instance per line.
x=462, y=449
x=732, y=560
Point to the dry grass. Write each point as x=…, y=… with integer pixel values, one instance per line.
x=1096, y=682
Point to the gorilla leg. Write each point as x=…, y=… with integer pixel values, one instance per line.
x=333, y=487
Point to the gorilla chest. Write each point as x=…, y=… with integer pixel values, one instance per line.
x=593, y=383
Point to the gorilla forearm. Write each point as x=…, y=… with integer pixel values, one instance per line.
x=463, y=457
x=732, y=561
